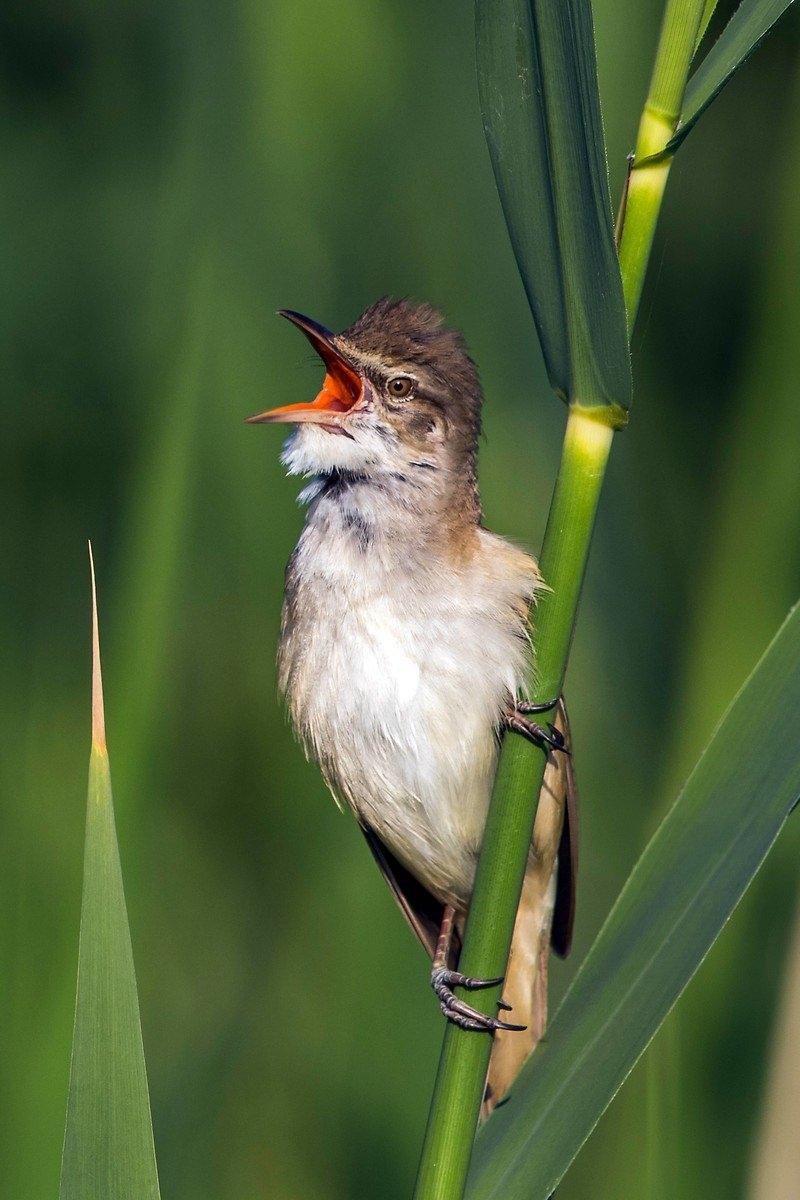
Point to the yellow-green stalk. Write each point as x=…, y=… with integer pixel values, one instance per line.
x=465, y=1056
x=683, y=25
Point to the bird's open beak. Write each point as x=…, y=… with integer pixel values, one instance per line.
x=342, y=388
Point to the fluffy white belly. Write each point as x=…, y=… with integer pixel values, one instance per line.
x=398, y=699
x=422, y=725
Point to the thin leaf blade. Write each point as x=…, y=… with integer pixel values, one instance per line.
x=740, y=38
x=705, y=21
x=537, y=79
x=678, y=898
x=109, y=1152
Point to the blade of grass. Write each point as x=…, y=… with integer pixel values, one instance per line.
x=708, y=13
x=108, y=1141
x=678, y=898
x=740, y=38
x=753, y=535
x=537, y=79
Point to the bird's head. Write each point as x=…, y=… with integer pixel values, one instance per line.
x=400, y=396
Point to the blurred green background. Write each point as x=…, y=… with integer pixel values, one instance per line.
x=173, y=173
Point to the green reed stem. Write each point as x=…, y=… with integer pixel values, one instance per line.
x=458, y=1089
x=465, y=1056
x=683, y=25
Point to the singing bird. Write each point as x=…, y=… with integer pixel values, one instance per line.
x=405, y=645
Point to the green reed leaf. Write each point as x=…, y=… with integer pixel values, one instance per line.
x=537, y=77
x=743, y=34
x=674, y=905
x=108, y=1141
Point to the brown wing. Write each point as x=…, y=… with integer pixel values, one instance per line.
x=567, y=878
x=419, y=907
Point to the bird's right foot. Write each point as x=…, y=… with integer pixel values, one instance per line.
x=518, y=719
x=464, y=1015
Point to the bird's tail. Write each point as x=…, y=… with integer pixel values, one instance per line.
x=525, y=987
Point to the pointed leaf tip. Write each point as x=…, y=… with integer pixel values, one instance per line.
x=98, y=711
x=741, y=37
x=108, y=1150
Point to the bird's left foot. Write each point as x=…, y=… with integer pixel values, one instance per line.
x=548, y=738
x=464, y=1015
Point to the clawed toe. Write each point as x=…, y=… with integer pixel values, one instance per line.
x=467, y=1017
x=549, y=738
x=443, y=980
x=555, y=739
x=462, y=1014
x=527, y=706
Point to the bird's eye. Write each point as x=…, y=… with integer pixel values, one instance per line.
x=400, y=386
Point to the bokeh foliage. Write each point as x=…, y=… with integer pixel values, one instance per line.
x=173, y=174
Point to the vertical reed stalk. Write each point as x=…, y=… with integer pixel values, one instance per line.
x=683, y=25
x=465, y=1056
x=460, y=1079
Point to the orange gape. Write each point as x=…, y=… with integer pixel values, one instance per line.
x=341, y=390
